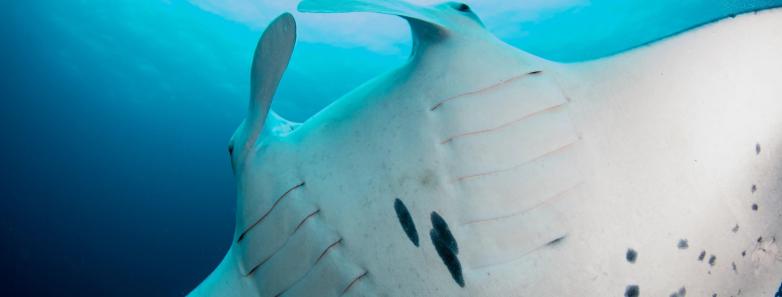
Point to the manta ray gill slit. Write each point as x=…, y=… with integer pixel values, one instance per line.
x=277, y=201
x=483, y=89
x=354, y=281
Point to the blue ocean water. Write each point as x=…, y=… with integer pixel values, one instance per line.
x=115, y=116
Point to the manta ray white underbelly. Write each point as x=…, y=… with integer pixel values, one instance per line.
x=476, y=169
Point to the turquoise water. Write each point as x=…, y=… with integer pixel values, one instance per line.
x=115, y=116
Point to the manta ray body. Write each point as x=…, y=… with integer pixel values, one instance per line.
x=476, y=169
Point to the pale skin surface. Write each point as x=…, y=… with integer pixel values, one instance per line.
x=545, y=173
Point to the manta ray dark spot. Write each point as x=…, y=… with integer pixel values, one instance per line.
x=631, y=255
x=632, y=291
x=463, y=7
x=755, y=206
x=701, y=256
x=735, y=228
x=760, y=239
x=743, y=253
x=681, y=293
x=439, y=225
x=406, y=220
x=556, y=241
x=448, y=256
x=712, y=260
x=753, y=188
x=682, y=244
x=757, y=148
x=446, y=247
x=733, y=264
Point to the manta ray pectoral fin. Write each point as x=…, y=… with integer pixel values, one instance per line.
x=271, y=58
x=403, y=9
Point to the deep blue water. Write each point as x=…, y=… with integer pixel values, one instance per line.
x=115, y=116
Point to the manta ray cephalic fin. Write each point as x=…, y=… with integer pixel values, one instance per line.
x=270, y=60
x=399, y=8
x=420, y=17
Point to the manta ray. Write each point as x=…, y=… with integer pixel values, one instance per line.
x=477, y=169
